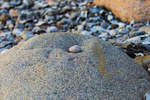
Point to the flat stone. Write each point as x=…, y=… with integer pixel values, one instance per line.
x=75, y=49
x=42, y=68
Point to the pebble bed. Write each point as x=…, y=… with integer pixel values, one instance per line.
x=20, y=20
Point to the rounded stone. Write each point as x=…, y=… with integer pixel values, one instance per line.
x=75, y=49
x=41, y=68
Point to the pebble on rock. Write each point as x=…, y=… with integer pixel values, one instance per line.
x=75, y=49
x=46, y=16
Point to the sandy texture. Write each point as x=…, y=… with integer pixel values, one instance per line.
x=43, y=69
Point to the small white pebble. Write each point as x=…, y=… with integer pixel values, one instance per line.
x=109, y=17
x=147, y=96
x=75, y=49
x=51, y=29
x=148, y=69
x=121, y=25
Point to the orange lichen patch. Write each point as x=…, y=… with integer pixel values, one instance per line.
x=100, y=61
x=97, y=52
x=128, y=10
x=99, y=58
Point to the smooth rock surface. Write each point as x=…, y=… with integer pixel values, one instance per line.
x=128, y=10
x=42, y=69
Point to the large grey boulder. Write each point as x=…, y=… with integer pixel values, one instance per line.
x=43, y=69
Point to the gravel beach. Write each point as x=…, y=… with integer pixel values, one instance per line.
x=21, y=20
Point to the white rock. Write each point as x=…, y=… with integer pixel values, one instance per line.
x=40, y=22
x=113, y=32
x=75, y=49
x=139, y=54
x=109, y=17
x=147, y=95
x=114, y=22
x=80, y=28
x=121, y=25
x=90, y=24
x=83, y=14
x=101, y=11
x=51, y=29
x=148, y=71
x=97, y=29
x=123, y=30
x=85, y=33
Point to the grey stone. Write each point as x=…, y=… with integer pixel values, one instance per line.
x=42, y=68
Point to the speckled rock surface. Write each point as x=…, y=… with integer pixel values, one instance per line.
x=42, y=69
x=128, y=10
